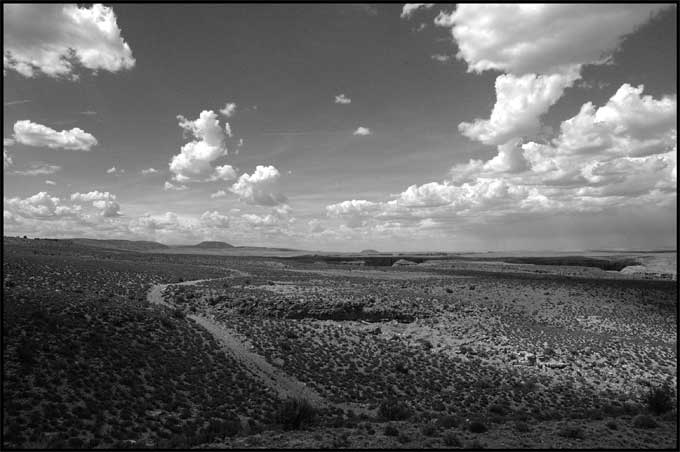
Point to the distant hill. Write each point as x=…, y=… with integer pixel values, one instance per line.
x=369, y=252
x=212, y=245
x=128, y=245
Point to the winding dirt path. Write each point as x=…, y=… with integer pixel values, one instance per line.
x=283, y=384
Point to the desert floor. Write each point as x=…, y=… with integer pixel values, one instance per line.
x=105, y=348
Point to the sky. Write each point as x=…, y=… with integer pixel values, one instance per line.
x=433, y=127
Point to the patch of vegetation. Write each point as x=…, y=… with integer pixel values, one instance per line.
x=477, y=427
x=403, y=438
x=394, y=410
x=644, y=421
x=660, y=399
x=390, y=430
x=572, y=432
x=429, y=430
x=451, y=439
x=522, y=427
x=448, y=421
x=295, y=413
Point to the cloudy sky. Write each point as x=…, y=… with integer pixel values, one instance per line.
x=343, y=127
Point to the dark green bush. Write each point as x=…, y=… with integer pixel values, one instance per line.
x=644, y=421
x=167, y=322
x=448, y=421
x=429, y=430
x=660, y=399
x=572, y=432
x=451, y=440
x=178, y=313
x=295, y=413
x=400, y=367
x=522, y=427
x=403, y=438
x=438, y=405
x=341, y=441
x=394, y=410
x=26, y=352
x=391, y=430
x=498, y=409
x=477, y=427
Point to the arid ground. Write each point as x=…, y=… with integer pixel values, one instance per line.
x=107, y=347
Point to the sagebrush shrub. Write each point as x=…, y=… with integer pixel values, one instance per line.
x=295, y=413
x=167, y=322
x=644, y=421
x=394, y=410
x=390, y=430
x=477, y=427
x=522, y=427
x=178, y=313
x=26, y=353
x=572, y=432
x=429, y=430
x=448, y=421
x=497, y=409
x=403, y=438
x=451, y=440
x=660, y=399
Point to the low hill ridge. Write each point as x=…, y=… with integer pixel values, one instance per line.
x=130, y=245
x=213, y=245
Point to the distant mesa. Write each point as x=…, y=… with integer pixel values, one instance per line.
x=369, y=252
x=213, y=245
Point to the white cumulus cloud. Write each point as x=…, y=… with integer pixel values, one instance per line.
x=194, y=162
x=39, y=206
x=410, y=8
x=541, y=38
x=229, y=109
x=224, y=172
x=260, y=187
x=214, y=219
x=620, y=157
x=520, y=102
x=38, y=135
x=55, y=38
x=105, y=202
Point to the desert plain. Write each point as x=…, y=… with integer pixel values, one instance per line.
x=136, y=346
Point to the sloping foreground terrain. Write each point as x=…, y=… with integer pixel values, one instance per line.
x=88, y=363
x=106, y=348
